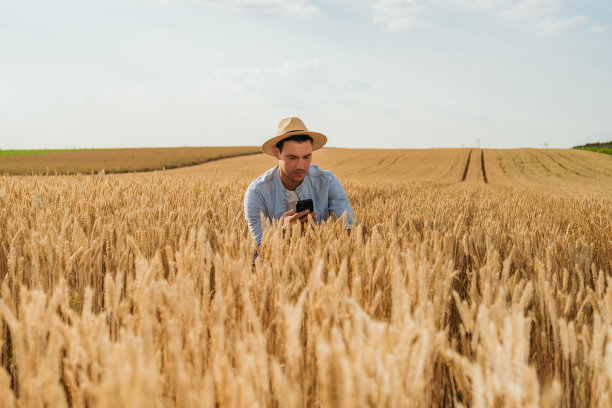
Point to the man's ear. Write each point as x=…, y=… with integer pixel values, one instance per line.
x=276, y=152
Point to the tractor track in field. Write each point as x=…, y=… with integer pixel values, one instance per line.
x=558, y=163
x=484, y=173
x=540, y=163
x=467, y=166
x=482, y=166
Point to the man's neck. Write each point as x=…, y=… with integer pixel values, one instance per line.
x=289, y=184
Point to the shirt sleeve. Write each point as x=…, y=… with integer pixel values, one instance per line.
x=253, y=207
x=338, y=201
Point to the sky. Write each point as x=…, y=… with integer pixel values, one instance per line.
x=369, y=73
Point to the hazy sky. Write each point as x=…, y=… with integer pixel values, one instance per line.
x=378, y=73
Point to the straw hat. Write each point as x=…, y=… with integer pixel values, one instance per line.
x=289, y=127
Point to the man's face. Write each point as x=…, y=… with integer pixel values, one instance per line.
x=294, y=160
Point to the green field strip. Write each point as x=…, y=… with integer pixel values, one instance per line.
x=39, y=151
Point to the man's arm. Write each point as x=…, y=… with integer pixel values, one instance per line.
x=253, y=207
x=338, y=201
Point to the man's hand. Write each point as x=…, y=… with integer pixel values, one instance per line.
x=291, y=217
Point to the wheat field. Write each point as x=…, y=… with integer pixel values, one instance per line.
x=87, y=161
x=480, y=282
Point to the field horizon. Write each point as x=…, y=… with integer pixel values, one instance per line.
x=113, y=161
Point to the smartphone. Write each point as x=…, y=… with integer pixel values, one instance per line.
x=304, y=205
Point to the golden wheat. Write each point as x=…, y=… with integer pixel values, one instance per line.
x=139, y=291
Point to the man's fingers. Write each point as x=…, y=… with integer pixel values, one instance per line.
x=304, y=216
x=289, y=218
x=294, y=217
x=298, y=216
x=312, y=215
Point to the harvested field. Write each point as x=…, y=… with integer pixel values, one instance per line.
x=116, y=160
x=137, y=289
x=437, y=165
x=574, y=170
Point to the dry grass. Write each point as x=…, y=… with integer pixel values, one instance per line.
x=117, y=160
x=138, y=291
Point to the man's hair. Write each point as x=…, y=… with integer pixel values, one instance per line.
x=295, y=138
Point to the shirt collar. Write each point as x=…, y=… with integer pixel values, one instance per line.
x=280, y=188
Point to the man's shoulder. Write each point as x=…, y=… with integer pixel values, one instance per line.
x=317, y=172
x=265, y=179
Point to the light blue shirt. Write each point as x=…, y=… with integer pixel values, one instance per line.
x=267, y=195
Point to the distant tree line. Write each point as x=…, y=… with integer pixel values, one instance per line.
x=597, y=145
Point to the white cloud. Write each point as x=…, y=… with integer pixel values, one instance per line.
x=293, y=7
x=399, y=24
x=400, y=6
x=356, y=85
x=483, y=4
x=251, y=79
x=398, y=15
x=598, y=29
x=531, y=8
x=550, y=26
x=293, y=84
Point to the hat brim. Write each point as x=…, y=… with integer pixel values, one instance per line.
x=318, y=141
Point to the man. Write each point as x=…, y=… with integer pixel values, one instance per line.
x=276, y=192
